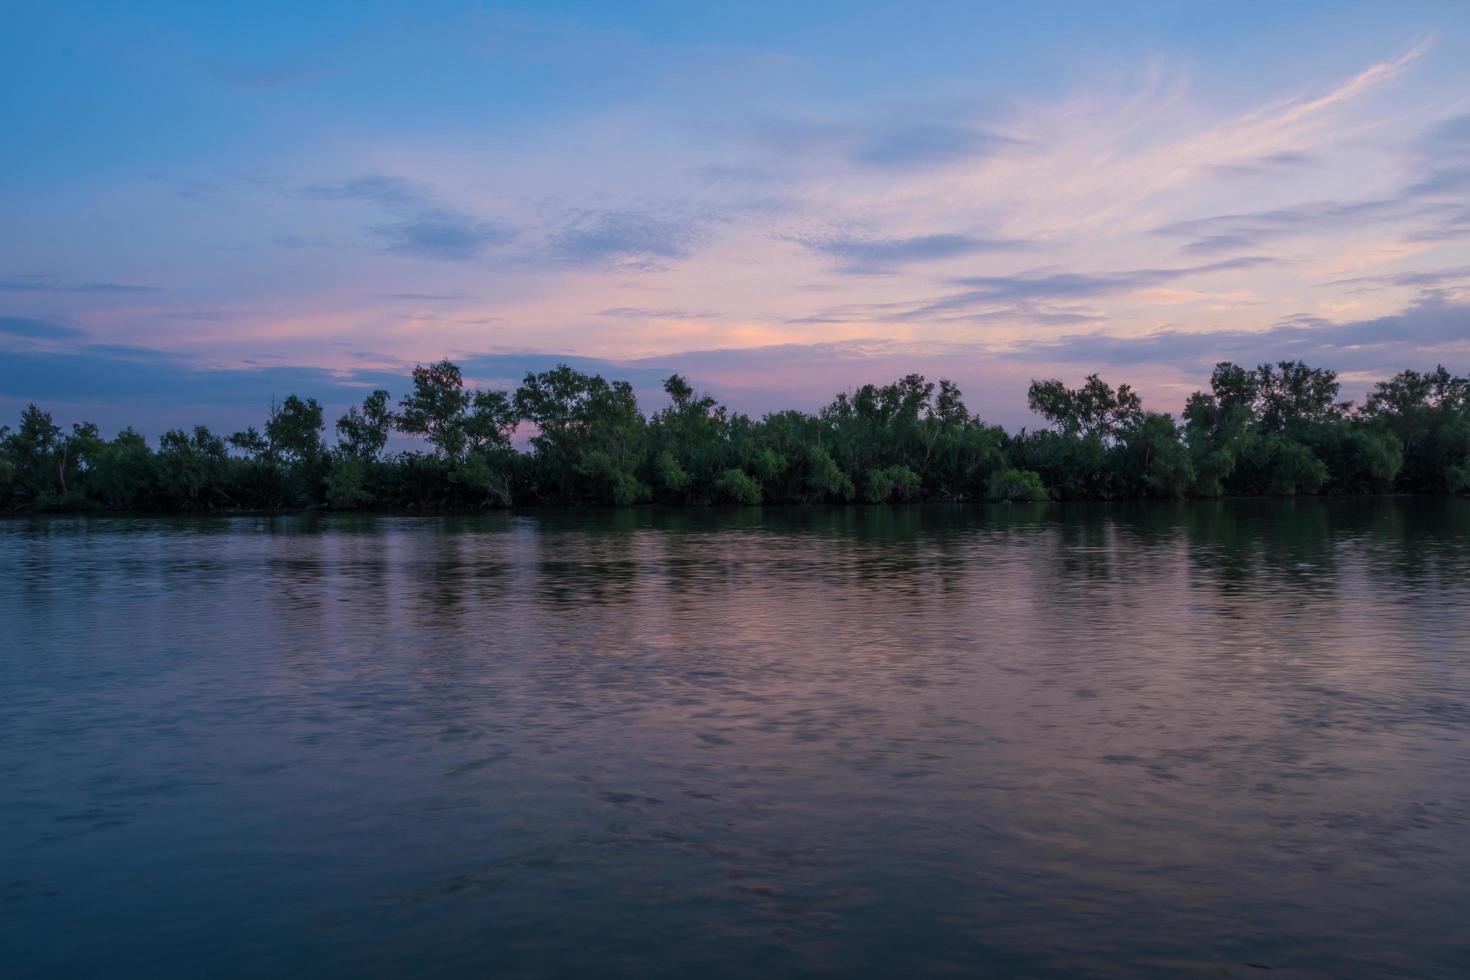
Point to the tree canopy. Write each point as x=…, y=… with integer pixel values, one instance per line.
x=1274, y=429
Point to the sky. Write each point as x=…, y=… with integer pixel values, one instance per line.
x=206, y=207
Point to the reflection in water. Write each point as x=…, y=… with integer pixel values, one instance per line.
x=1132, y=740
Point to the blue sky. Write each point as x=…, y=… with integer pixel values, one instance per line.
x=207, y=206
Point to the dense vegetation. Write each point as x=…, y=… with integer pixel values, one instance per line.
x=1278, y=429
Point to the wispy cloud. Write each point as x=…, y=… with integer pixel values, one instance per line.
x=1123, y=182
x=116, y=374
x=1428, y=279
x=640, y=313
x=923, y=144
x=716, y=174
x=1446, y=225
x=428, y=230
x=385, y=189
x=37, y=329
x=444, y=235
x=1430, y=329
x=1286, y=163
x=894, y=145
x=1225, y=233
x=876, y=256
x=1044, y=286
x=49, y=284
x=1445, y=155
x=199, y=316
x=624, y=238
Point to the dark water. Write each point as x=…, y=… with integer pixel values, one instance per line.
x=1138, y=741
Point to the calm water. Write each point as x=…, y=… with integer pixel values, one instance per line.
x=1139, y=741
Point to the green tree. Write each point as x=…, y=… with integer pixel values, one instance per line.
x=362, y=435
x=294, y=431
x=1094, y=411
x=34, y=452
x=961, y=451
x=1015, y=485
x=294, y=434
x=120, y=473
x=1274, y=429
x=590, y=436
x=690, y=443
x=823, y=479
x=7, y=468
x=1151, y=460
x=1290, y=393
x=436, y=408
x=737, y=487
x=189, y=469
x=1429, y=416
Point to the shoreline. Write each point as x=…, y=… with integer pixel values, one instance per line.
x=644, y=508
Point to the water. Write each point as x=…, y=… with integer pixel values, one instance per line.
x=1148, y=740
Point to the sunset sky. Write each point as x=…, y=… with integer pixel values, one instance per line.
x=203, y=209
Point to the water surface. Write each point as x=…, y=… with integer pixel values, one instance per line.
x=1144, y=740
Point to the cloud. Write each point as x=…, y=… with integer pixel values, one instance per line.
x=883, y=145
x=1444, y=153
x=1449, y=224
x=384, y=189
x=1038, y=287
x=925, y=144
x=1106, y=170
x=443, y=235
x=1043, y=297
x=1283, y=164
x=801, y=136
x=304, y=241
x=1422, y=280
x=23, y=326
x=639, y=313
x=124, y=375
x=193, y=189
x=630, y=239
x=724, y=173
x=423, y=297
x=874, y=256
x=1449, y=180
x=200, y=316
x=1251, y=230
x=47, y=284
x=1448, y=136
x=1430, y=329
x=1440, y=156
x=427, y=229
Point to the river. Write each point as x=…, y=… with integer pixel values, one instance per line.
x=1099, y=740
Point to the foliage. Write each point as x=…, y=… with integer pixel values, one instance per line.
x=590, y=437
x=1274, y=429
x=737, y=487
x=1094, y=410
x=363, y=434
x=1015, y=485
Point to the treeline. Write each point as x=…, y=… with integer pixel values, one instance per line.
x=1273, y=430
